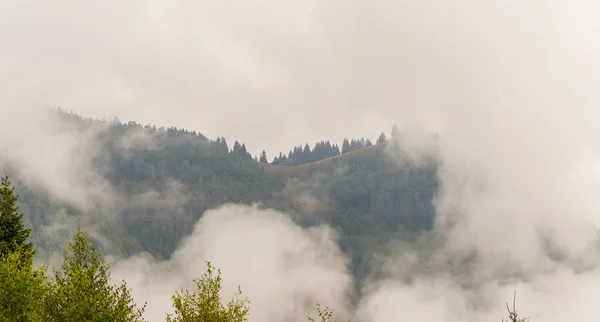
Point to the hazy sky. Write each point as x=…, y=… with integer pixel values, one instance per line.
x=263, y=72
x=273, y=73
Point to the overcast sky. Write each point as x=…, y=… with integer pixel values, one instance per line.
x=277, y=73
x=511, y=85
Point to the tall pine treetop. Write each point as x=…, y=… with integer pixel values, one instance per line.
x=13, y=234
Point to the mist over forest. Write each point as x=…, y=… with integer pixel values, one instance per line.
x=279, y=161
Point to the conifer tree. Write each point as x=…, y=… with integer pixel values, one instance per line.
x=13, y=234
x=345, y=146
x=236, y=147
x=82, y=291
x=244, y=151
x=336, y=150
x=306, y=155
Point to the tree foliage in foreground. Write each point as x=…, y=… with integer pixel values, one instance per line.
x=205, y=304
x=22, y=289
x=81, y=289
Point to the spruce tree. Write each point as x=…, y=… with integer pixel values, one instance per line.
x=345, y=146
x=13, y=234
x=263, y=157
x=306, y=155
x=244, y=151
x=82, y=289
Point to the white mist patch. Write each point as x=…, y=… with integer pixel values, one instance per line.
x=557, y=297
x=283, y=269
x=512, y=92
x=55, y=156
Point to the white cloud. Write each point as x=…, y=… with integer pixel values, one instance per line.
x=283, y=269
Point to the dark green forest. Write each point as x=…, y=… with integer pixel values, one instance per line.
x=361, y=191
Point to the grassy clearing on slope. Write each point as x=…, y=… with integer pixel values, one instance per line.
x=299, y=170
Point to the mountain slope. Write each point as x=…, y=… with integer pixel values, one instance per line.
x=162, y=180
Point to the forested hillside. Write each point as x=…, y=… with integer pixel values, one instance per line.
x=166, y=178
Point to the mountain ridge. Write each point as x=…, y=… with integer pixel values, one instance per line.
x=160, y=181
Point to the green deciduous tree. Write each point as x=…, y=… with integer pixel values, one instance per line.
x=81, y=290
x=22, y=289
x=13, y=234
x=205, y=305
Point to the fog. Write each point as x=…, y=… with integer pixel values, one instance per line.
x=281, y=268
x=54, y=156
x=511, y=87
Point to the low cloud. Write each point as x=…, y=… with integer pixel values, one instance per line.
x=55, y=156
x=283, y=269
x=171, y=197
